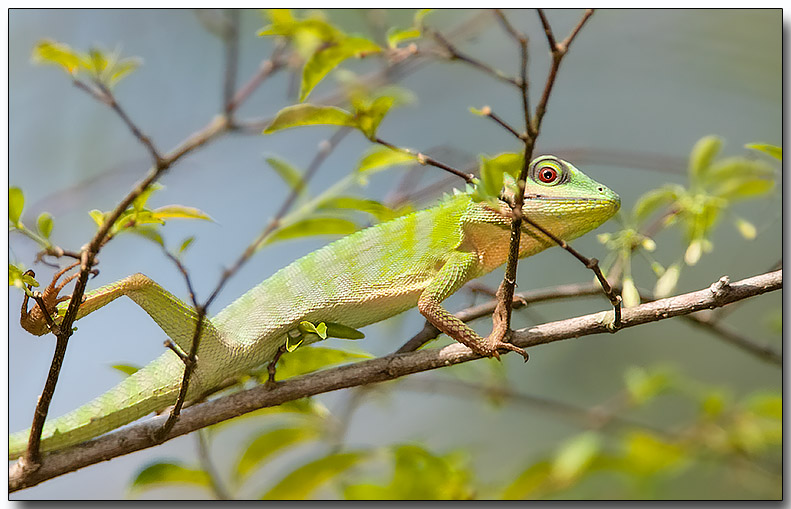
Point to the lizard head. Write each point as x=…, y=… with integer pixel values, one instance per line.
x=567, y=202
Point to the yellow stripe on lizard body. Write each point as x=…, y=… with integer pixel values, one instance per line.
x=415, y=260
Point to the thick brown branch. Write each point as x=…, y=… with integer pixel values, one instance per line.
x=137, y=437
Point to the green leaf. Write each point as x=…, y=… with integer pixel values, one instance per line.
x=313, y=226
x=532, y=480
x=381, y=158
x=309, y=359
x=326, y=59
x=186, y=244
x=127, y=369
x=643, y=385
x=713, y=403
x=147, y=232
x=289, y=174
x=18, y=278
x=738, y=168
x=16, y=202
x=270, y=443
x=652, y=200
x=162, y=473
x=51, y=52
x=139, y=203
x=702, y=155
x=772, y=150
x=575, y=456
x=395, y=36
x=337, y=330
x=293, y=343
x=743, y=189
x=647, y=454
x=97, y=216
x=420, y=15
x=694, y=252
x=378, y=210
x=310, y=328
x=300, y=483
x=368, y=119
x=179, y=212
x=309, y=114
x=44, y=224
x=766, y=404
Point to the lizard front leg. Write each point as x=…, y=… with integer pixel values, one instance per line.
x=455, y=273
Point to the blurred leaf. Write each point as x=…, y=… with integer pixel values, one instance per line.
x=530, y=481
x=647, y=454
x=51, y=52
x=738, y=168
x=652, y=200
x=186, y=244
x=418, y=474
x=44, y=224
x=300, y=483
x=269, y=443
x=289, y=174
x=378, y=210
x=629, y=293
x=179, y=212
x=309, y=114
x=743, y=189
x=667, y=282
x=369, y=118
x=766, y=405
x=147, y=232
x=420, y=15
x=776, y=152
x=575, y=456
x=159, y=474
x=694, y=251
x=16, y=202
x=326, y=59
x=18, y=278
x=713, y=403
x=643, y=385
x=746, y=228
x=381, y=158
x=313, y=226
x=97, y=216
x=395, y=36
x=127, y=369
x=702, y=155
x=304, y=406
x=139, y=203
x=313, y=358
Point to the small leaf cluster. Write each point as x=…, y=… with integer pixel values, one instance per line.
x=722, y=431
x=99, y=66
x=332, y=212
x=715, y=184
x=321, y=45
x=146, y=222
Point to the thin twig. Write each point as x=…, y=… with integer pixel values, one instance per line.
x=424, y=159
x=455, y=54
x=231, y=40
x=487, y=111
x=216, y=484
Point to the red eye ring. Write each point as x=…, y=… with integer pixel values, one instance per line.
x=547, y=174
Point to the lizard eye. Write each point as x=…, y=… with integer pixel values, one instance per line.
x=547, y=174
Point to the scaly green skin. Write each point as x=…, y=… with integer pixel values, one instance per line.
x=415, y=260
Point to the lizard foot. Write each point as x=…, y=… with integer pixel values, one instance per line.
x=491, y=346
x=35, y=321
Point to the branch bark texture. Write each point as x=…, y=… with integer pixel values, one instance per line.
x=139, y=436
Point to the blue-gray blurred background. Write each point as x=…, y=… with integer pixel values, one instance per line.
x=643, y=83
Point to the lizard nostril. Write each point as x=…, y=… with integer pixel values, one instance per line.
x=601, y=189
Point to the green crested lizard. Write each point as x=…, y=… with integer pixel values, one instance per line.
x=414, y=260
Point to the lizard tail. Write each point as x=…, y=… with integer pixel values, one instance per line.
x=150, y=389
